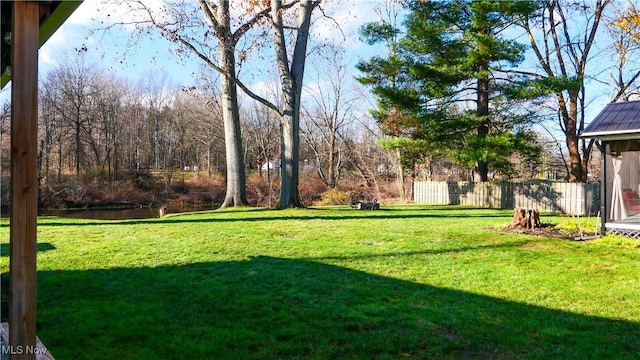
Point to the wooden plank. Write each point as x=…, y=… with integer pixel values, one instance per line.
x=24, y=187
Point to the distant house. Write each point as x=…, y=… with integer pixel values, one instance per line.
x=617, y=131
x=270, y=165
x=274, y=165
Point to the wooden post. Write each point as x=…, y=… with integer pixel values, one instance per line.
x=24, y=186
x=603, y=188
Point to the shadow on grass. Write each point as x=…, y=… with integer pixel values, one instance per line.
x=40, y=247
x=273, y=308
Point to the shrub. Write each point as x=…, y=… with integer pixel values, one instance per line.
x=259, y=193
x=180, y=188
x=311, y=189
x=146, y=182
x=334, y=197
x=94, y=174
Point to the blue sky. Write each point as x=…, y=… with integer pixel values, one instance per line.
x=107, y=49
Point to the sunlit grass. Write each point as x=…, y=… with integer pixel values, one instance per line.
x=403, y=282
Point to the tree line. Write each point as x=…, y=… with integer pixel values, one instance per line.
x=458, y=92
x=457, y=77
x=96, y=126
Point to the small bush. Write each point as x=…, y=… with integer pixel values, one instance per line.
x=94, y=174
x=145, y=182
x=579, y=224
x=180, y=188
x=311, y=189
x=334, y=197
x=259, y=193
x=615, y=241
x=208, y=188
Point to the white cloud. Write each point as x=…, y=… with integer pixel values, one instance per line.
x=85, y=13
x=67, y=38
x=94, y=17
x=268, y=89
x=45, y=58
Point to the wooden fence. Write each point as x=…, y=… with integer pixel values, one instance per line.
x=545, y=196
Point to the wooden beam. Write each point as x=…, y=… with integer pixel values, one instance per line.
x=60, y=11
x=24, y=189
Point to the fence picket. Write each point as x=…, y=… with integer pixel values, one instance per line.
x=544, y=196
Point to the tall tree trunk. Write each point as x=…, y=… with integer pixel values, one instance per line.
x=573, y=143
x=332, y=171
x=60, y=154
x=209, y=159
x=236, y=191
x=403, y=198
x=236, y=183
x=290, y=154
x=291, y=81
x=78, y=144
x=481, y=173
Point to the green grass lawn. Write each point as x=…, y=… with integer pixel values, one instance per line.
x=404, y=282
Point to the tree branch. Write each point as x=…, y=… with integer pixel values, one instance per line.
x=210, y=13
x=257, y=17
x=217, y=68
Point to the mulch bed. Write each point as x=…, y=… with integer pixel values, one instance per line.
x=549, y=231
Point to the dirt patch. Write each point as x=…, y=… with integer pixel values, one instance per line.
x=546, y=231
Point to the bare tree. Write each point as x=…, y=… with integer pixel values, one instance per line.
x=291, y=70
x=263, y=145
x=562, y=45
x=192, y=31
x=5, y=123
x=625, y=43
x=261, y=131
x=110, y=93
x=98, y=122
x=370, y=160
x=134, y=131
x=204, y=113
x=70, y=90
x=329, y=114
x=157, y=94
x=48, y=125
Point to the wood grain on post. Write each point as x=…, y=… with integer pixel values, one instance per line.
x=24, y=189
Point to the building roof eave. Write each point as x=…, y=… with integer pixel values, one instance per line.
x=612, y=135
x=53, y=15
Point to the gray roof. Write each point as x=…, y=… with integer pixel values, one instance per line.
x=616, y=121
